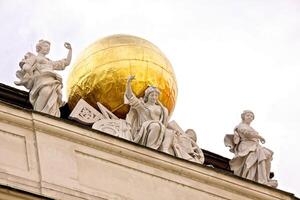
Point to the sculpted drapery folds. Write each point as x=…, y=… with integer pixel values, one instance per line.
x=150, y=126
x=147, y=117
x=37, y=74
x=251, y=160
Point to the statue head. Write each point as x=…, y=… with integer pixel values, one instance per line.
x=191, y=134
x=26, y=57
x=151, y=94
x=43, y=46
x=247, y=116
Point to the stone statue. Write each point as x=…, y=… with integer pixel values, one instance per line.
x=147, y=117
x=251, y=160
x=184, y=143
x=150, y=126
x=37, y=74
x=146, y=123
x=185, y=147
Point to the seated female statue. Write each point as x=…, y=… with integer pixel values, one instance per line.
x=251, y=160
x=147, y=117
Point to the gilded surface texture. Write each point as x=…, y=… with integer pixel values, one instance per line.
x=100, y=73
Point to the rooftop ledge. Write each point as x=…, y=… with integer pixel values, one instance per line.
x=61, y=159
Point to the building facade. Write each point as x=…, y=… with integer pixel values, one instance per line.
x=45, y=157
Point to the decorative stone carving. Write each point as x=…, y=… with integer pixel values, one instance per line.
x=104, y=121
x=115, y=127
x=184, y=144
x=84, y=113
x=251, y=160
x=146, y=123
x=38, y=76
x=106, y=114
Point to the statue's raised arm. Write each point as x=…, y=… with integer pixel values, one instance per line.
x=63, y=63
x=128, y=91
x=69, y=56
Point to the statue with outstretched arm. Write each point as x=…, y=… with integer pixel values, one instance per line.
x=37, y=74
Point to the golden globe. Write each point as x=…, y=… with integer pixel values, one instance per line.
x=101, y=71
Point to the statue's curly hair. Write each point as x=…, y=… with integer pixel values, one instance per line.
x=39, y=45
x=245, y=112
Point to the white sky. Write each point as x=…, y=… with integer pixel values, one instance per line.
x=227, y=55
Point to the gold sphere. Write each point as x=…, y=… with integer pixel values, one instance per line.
x=101, y=71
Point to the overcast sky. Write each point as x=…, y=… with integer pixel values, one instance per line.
x=228, y=56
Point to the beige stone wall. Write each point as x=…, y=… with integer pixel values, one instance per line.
x=59, y=159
